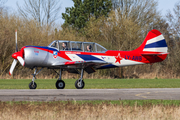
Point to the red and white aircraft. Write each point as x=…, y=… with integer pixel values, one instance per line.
x=77, y=57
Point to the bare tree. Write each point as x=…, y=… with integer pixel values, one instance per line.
x=129, y=23
x=2, y=8
x=43, y=11
x=174, y=20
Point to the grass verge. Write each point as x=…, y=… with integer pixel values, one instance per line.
x=81, y=110
x=92, y=83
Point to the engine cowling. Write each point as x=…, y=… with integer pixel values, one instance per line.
x=34, y=57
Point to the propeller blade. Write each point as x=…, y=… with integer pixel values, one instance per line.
x=21, y=60
x=12, y=67
x=16, y=40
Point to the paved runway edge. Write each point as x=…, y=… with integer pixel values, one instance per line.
x=89, y=94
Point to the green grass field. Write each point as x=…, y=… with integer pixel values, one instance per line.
x=92, y=83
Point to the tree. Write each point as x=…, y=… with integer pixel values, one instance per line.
x=174, y=30
x=78, y=15
x=126, y=26
x=173, y=20
x=43, y=11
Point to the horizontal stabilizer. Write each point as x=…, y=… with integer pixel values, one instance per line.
x=144, y=54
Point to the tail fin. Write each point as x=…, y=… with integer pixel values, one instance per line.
x=154, y=43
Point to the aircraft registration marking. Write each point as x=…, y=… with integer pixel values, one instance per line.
x=136, y=58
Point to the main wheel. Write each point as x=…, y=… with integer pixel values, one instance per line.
x=79, y=85
x=60, y=84
x=32, y=86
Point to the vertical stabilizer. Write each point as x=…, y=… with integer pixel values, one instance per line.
x=154, y=42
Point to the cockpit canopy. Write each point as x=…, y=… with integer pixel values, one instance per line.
x=77, y=46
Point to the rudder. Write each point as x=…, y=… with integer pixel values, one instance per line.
x=154, y=42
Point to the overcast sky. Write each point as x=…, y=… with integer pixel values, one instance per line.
x=163, y=6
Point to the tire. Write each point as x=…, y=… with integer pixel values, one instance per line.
x=31, y=86
x=60, y=84
x=78, y=85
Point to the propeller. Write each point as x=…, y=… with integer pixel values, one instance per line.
x=16, y=40
x=12, y=66
x=18, y=56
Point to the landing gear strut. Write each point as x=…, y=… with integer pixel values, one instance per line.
x=33, y=85
x=79, y=84
x=60, y=84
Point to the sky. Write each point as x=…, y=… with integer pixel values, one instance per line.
x=163, y=6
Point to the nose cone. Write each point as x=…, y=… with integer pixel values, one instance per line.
x=15, y=55
x=19, y=54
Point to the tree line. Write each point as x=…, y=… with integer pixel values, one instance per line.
x=119, y=25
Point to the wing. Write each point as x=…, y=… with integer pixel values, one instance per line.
x=88, y=65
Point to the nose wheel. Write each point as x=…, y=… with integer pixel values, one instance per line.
x=32, y=85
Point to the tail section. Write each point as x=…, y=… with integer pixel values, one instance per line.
x=154, y=43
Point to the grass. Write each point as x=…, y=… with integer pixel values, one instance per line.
x=100, y=102
x=92, y=83
x=81, y=110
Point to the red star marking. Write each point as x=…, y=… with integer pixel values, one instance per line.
x=118, y=58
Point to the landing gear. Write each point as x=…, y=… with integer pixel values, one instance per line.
x=60, y=84
x=79, y=84
x=33, y=85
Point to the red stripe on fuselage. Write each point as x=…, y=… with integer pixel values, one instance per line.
x=128, y=55
x=60, y=54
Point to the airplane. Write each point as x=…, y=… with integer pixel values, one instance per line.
x=77, y=57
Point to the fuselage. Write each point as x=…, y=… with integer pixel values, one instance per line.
x=38, y=56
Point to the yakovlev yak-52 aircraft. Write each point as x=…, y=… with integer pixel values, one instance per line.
x=77, y=57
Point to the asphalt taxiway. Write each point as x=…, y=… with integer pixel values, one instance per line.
x=89, y=94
